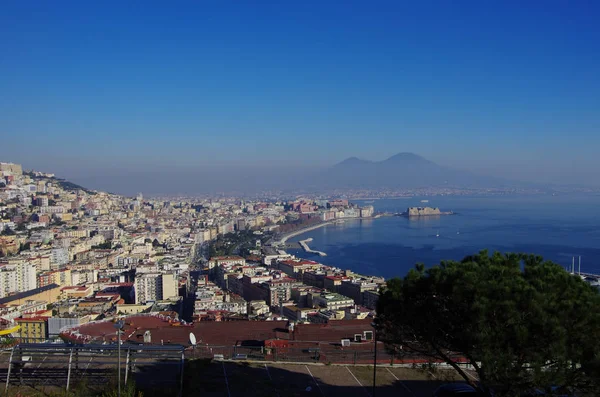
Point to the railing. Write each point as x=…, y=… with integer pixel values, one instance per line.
x=61, y=365
x=307, y=355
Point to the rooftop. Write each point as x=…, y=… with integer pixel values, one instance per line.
x=217, y=333
x=26, y=294
x=229, y=257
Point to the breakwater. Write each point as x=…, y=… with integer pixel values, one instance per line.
x=306, y=248
x=288, y=236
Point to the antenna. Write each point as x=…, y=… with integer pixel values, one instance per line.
x=193, y=339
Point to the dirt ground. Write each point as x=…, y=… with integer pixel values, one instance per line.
x=233, y=379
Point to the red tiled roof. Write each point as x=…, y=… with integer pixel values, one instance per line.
x=109, y=285
x=223, y=333
x=298, y=263
x=28, y=319
x=333, y=331
x=229, y=257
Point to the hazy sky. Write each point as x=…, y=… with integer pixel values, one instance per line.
x=100, y=89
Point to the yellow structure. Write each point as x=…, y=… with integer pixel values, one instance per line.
x=33, y=329
x=10, y=330
x=49, y=294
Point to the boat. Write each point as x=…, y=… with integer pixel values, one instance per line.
x=457, y=232
x=437, y=234
x=424, y=201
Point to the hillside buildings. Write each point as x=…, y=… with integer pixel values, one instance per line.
x=70, y=256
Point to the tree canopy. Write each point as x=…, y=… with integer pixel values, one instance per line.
x=521, y=322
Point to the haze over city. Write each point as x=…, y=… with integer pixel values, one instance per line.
x=120, y=97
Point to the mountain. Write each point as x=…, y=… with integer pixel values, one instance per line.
x=403, y=170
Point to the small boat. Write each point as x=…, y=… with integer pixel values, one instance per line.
x=437, y=234
x=457, y=232
x=424, y=201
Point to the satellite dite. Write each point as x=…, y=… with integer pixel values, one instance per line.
x=193, y=340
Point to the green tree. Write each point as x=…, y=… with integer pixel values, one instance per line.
x=103, y=246
x=520, y=321
x=24, y=247
x=7, y=232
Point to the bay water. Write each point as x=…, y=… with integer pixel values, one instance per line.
x=556, y=227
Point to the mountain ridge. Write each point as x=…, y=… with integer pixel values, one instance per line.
x=403, y=170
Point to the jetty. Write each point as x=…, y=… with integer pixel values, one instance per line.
x=283, y=239
x=305, y=247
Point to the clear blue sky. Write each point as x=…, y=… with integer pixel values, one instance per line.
x=510, y=88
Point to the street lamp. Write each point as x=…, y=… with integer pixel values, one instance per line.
x=119, y=326
x=374, y=358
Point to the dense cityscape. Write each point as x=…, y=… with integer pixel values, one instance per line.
x=299, y=199
x=71, y=256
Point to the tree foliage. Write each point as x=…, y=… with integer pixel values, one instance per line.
x=7, y=232
x=522, y=323
x=103, y=246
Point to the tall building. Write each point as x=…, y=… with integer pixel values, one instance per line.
x=8, y=282
x=17, y=278
x=60, y=257
x=11, y=169
x=26, y=277
x=154, y=287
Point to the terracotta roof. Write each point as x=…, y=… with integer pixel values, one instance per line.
x=332, y=332
x=229, y=257
x=223, y=333
x=28, y=319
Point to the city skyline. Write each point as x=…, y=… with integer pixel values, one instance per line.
x=123, y=94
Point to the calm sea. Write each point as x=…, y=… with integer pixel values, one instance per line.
x=556, y=227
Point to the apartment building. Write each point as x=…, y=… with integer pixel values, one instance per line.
x=155, y=287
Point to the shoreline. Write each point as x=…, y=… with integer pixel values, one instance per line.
x=288, y=236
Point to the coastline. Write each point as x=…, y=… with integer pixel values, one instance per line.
x=288, y=236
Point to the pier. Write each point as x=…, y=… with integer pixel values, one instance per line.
x=306, y=248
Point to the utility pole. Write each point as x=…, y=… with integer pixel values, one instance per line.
x=119, y=326
x=374, y=360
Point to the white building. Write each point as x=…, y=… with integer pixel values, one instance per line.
x=17, y=278
x=83, y=276
x=60, y=257
x=26, y=277
x=226, y=261
x=8, y=281
x=154, y=287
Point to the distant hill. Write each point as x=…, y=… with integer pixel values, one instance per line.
x=71, y=186
x=403, y=170
x=63, y=183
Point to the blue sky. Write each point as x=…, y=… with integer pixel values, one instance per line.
x=507, y=88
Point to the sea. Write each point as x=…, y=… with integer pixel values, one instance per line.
x=557, y=227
